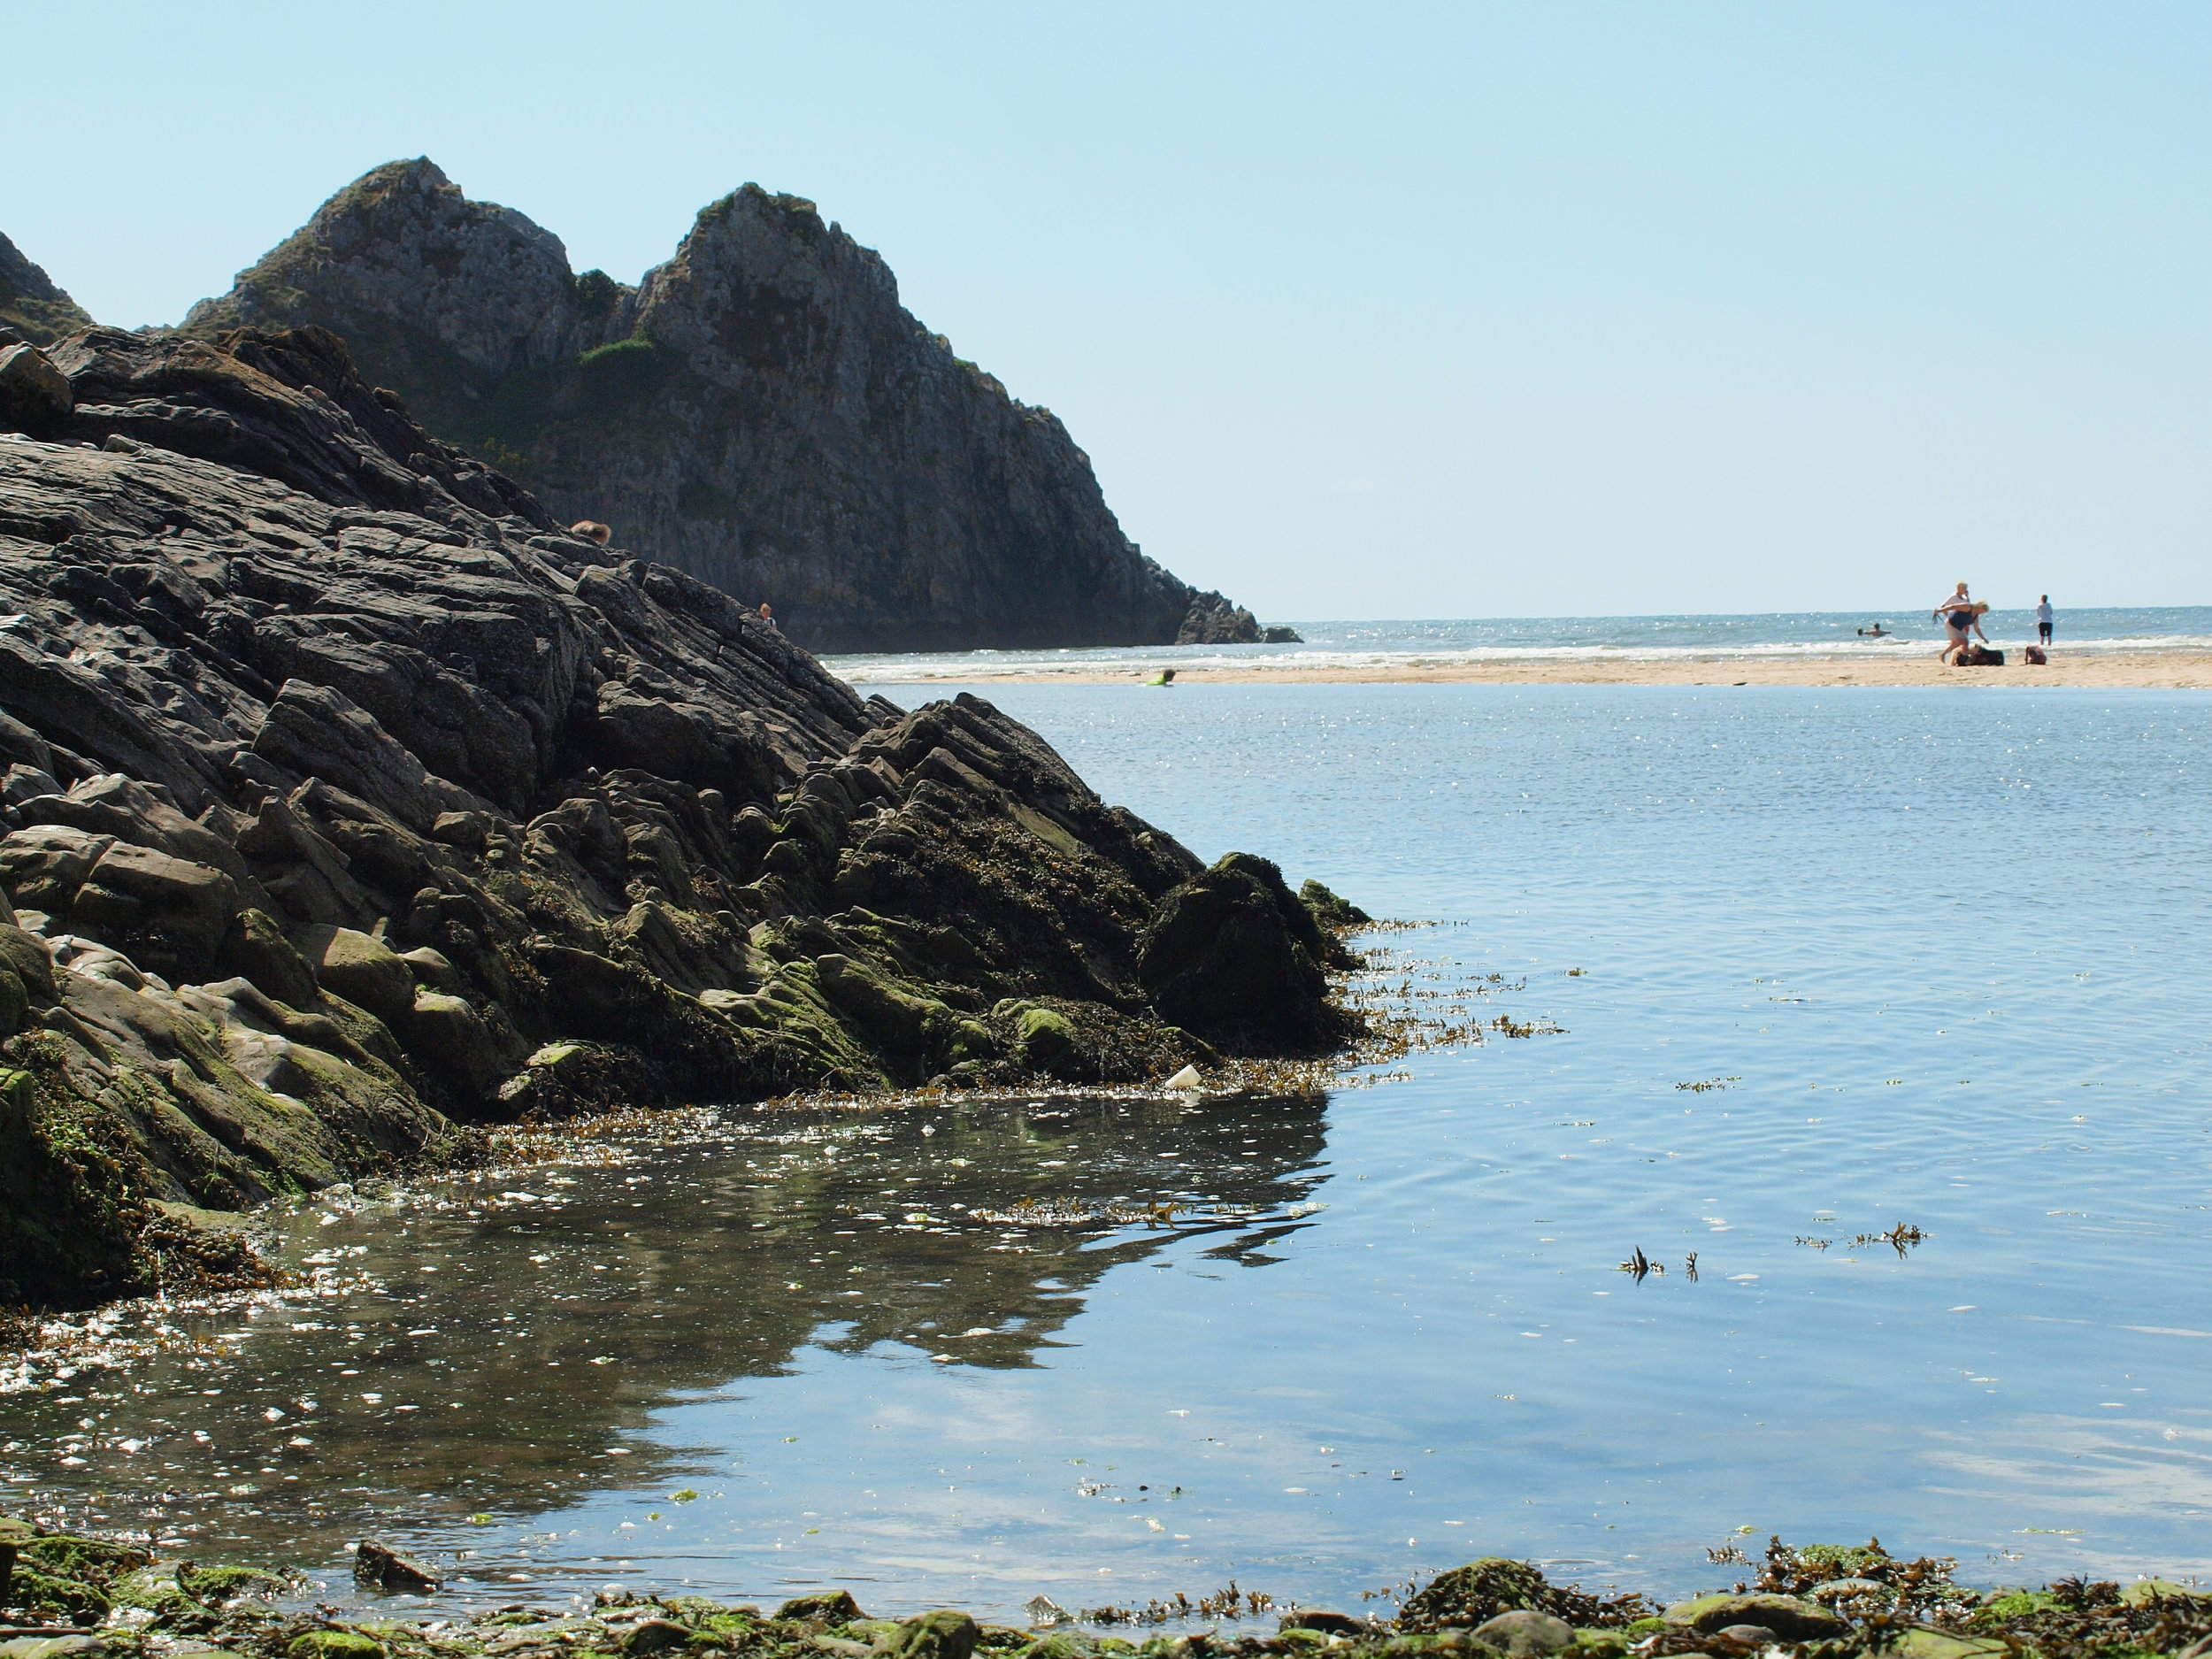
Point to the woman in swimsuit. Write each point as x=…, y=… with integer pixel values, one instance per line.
x=1960, y=622
x=1956, y=614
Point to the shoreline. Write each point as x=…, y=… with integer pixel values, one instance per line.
x=2142, y=671
x=93, y=1593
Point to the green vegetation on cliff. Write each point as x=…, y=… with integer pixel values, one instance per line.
x=30, y=305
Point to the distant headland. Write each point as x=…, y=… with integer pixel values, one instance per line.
x=759, y=411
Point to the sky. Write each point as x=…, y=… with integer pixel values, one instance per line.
x=1374, y=310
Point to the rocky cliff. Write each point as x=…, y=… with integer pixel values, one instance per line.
x=760, y=411
x=347, y=797
x=31, y=307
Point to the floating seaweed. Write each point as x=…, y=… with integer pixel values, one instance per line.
x=1033, y=1212
x=1228, y=1603
x=1900, y=1238
x=1639, y=1266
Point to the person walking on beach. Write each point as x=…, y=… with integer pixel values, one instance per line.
x=2043, y=621
x=1956, y=614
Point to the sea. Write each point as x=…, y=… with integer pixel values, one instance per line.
x=1500, y=642
x=1821, y=1148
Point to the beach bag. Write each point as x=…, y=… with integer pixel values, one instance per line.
x=2037, y=656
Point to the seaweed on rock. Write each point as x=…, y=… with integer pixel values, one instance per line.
x=1492, y=1609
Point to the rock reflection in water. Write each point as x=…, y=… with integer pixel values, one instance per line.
x=494, y=1347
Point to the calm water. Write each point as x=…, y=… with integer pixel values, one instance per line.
x=1941, y=955
x=1566, y=639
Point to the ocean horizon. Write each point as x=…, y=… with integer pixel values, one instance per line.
x=1326, y=644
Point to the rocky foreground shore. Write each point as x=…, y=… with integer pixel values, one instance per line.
x=101, y=1594
x=349, y=800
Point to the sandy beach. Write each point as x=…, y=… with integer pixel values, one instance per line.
x=2114, y=670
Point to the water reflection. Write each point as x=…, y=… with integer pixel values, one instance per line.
x=493, y=1349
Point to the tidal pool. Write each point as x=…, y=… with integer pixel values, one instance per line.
x=1803, y=969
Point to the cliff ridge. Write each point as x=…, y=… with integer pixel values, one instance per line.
x=760, y=410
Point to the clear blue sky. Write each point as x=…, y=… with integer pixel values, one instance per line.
x=1361, y=310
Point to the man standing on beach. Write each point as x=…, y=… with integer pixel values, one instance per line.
x=2043, y=620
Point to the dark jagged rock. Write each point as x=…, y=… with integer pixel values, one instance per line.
x=760, y=412
x=824, y=1608
x=346, y=796
x=1213, y=620
x=31, y=307
x=1322, y=1619
x=387, y=1570
x=1234, y=956
x=35, y=396
x=1339, y=915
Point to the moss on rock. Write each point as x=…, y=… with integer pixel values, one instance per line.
x=334, y=1644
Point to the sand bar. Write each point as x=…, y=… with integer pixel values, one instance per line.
x=2113, y=669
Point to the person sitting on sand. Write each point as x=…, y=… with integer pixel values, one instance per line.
x=591, y=530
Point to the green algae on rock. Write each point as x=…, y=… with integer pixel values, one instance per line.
x=349, y=802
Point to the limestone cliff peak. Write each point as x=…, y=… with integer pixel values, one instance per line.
x=760, y=410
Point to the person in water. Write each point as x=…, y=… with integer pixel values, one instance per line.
x=2043, y=621
x=1878, y=632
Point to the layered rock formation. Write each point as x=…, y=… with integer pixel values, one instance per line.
x=348, y=796
x=761, y=412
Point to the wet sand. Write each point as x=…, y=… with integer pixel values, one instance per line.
x=1910, y=666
